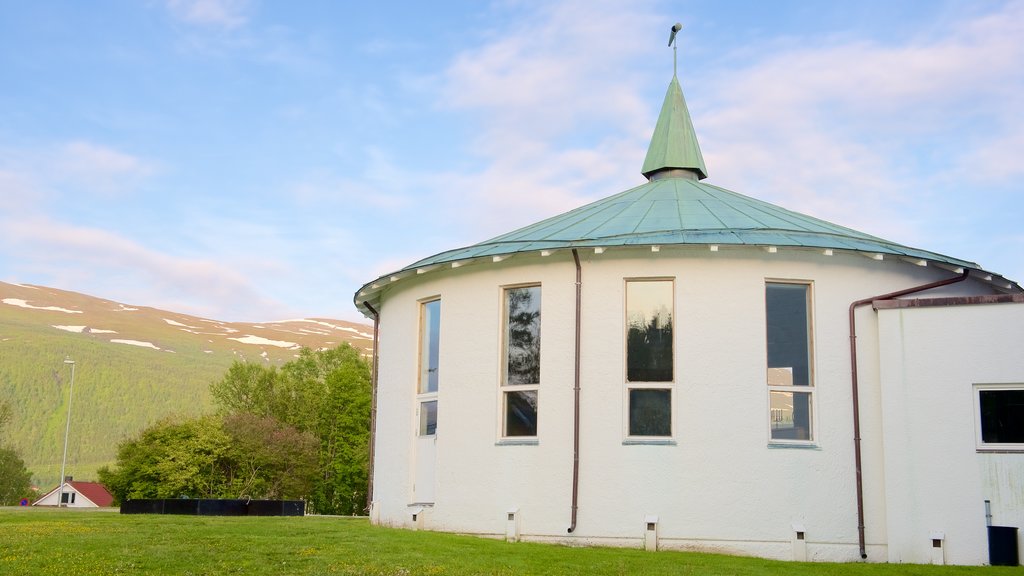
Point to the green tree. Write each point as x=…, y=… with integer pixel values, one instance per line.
x=247, y=387
x=235, y=456
x=344, y=432
x=325, y=393
x=268, y=459
x=170, y=459
x=15, y=479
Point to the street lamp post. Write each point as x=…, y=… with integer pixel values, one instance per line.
x=67, y=430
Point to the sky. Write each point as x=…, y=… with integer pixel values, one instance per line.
x=254, y=160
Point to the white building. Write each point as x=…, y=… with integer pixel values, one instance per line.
x=671, y=367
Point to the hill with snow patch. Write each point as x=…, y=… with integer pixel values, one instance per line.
x=133, y=365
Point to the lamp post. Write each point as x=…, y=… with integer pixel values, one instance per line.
x=67, y=429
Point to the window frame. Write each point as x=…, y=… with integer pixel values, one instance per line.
x=811, y=388
x=981, y=445
x=423, y=394
x=629, y=385
x=504, y=388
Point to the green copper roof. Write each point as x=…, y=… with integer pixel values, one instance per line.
x=674, y=143
x=675, y=211
x=673, y=208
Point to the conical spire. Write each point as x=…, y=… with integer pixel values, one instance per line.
x=674, y=144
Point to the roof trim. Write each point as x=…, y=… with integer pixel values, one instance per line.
x=1017, y=298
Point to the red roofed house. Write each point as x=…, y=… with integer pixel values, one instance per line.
x=77, y=494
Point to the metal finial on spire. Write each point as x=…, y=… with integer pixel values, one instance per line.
x=672, y=42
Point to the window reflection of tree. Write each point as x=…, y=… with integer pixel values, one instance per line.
x=650, y=412
x=523, y=336
x=649, y=349
x=521, y=415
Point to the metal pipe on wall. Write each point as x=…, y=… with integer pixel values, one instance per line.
x=576, y=396
x=373, y=404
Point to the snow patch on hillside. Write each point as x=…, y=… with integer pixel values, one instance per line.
x=176, y=323
x=327, y=324
x=124, y=308
x=83, y=329
x=136, y=343
x=24, y=304
x=250, y=339
x=218, y=324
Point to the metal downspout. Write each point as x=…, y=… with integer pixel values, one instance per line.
x=576, y=396
x=373, y=404
x=854, y=387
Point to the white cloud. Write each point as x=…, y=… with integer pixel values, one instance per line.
x=539, y=88
x=18, y=190
x=85, y=258
x=99, y=167
x=31, y=177
x=222, y=13
x=871, y=135
x=382, y=184
x=999, y=159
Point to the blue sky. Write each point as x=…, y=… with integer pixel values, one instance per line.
x=257, y=160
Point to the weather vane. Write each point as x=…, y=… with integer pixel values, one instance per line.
x=672, y=42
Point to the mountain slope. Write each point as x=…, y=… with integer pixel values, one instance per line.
x=133, y=366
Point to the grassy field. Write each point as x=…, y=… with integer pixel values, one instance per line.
x=73, y=543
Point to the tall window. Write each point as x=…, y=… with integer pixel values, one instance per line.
x=430, y=339
x=790, y=374
x=521, y=374
x=649, y=366
x=1000, y=412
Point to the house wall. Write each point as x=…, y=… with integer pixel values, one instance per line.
x=936, y=478
x=720, y=485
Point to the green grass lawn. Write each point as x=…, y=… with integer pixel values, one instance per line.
x=73, y=543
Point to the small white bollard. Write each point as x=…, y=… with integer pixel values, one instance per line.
x=512, y=525
x=799, y=540
x=938, y=548
x=651, y=533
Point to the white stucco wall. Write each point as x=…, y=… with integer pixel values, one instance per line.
x=936, y=478
x=721, y=485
